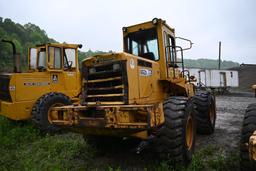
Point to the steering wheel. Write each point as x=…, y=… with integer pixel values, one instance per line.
x=70, y=63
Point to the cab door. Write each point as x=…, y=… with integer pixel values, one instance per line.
x=55, y=68
x=71, y=71
x=170, y=56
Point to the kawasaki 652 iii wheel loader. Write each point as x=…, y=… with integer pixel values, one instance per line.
x=141, y=93
x=53, y=79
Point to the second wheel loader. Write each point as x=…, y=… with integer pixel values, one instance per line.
x=46, y=83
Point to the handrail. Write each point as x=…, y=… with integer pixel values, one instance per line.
x=12, y=43
x=175, y=62
x=15, y=56
x=190, y=42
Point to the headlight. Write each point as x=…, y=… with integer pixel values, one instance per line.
x=92, y=70
x=154, y=21
x=124, y=29
x=116, y=67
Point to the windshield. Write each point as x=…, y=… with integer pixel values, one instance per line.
x=143, y=43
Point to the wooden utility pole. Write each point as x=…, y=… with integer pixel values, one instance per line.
x=219, y=54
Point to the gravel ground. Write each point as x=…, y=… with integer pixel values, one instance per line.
x=230, y=113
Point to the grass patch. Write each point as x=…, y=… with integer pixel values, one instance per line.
x=23, y=148
x=53, y=153
x=213, y=158
x=209, y=158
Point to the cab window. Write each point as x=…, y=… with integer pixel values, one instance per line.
x=170, y=52
x=143, y=43
x=135, y=48
x=54, y=58
x=42, y=58
x=69, y=58
x=32, y=58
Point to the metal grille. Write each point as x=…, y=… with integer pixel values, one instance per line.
x=106, y=83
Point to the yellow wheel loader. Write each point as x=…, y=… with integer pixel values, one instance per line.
x=143, y=92
x=53, y=79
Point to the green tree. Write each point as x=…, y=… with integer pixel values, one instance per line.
x=23, y=36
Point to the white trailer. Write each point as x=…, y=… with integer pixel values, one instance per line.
x=212, y=78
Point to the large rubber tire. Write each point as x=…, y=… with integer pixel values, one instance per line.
x=248, y=127
x=205, y=112
x=171, y=136
x=41, y=108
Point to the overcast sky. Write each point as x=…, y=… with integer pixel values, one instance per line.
x=97, y=23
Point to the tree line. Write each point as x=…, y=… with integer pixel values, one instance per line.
x=23, y=36
x=209, y=63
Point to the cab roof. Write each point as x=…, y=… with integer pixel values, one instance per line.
x=61, y=45
x=147, y=24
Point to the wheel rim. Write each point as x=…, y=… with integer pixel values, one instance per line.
x=212, y=114
x=189, y=132
x=52, y=116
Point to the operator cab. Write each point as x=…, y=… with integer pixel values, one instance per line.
x=53, y=56
x=155, y=40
